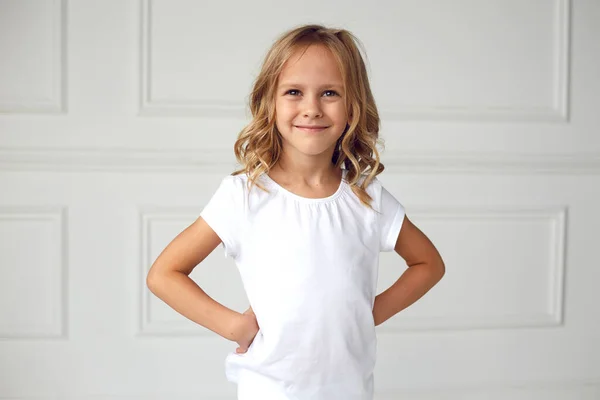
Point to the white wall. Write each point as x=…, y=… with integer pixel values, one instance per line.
x=118, y=121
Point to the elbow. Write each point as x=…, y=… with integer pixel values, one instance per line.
x=441, y=269
x=158, y=279
x=152, y=281
x=438, y=268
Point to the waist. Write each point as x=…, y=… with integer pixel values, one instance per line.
x=314, y=360
x=253, y=385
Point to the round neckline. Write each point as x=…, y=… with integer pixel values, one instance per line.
x=295, y=196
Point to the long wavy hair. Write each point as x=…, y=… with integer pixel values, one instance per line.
x=259, y=145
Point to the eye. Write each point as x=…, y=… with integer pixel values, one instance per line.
x=329, y=93
x=293, y=92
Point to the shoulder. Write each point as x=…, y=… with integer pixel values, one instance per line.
x=230, y=189
x=374, y=189
x=235, y=182
x=241, y=189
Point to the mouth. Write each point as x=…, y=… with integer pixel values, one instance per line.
x=310, y=128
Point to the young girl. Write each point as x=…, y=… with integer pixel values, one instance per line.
x=305, y=220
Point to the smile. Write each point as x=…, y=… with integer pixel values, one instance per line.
x=310, y=129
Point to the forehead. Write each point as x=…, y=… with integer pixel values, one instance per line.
x=312, y=64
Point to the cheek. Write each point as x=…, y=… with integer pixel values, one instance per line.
x=284, y=112
x=281, y=117
x=339, y=113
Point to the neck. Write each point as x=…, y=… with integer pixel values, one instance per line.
x=307, y=170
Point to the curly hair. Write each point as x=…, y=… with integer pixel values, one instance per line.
x=259, y=144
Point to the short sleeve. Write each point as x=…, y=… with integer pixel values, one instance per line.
x=223, y=211
x=390, y=217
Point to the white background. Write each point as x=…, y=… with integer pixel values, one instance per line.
x=118, y=122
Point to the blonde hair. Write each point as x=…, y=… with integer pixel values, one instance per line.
x=258, y=146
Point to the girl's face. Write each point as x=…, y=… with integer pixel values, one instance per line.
x=309, y=103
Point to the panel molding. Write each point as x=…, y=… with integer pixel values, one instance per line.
x=58, y=328
x=558, y=112
x=580, y=389
x=552, y=317
x=146, y=325
x=176, y=161
x=56, y=103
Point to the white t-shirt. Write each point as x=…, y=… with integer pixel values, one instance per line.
x=309, y=268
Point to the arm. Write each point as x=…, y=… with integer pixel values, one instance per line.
x=426, y=268
x=169, y=280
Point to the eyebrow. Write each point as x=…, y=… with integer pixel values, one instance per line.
x=300, y=86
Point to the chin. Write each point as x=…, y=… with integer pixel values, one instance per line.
x=307, y=145
x=313, y=150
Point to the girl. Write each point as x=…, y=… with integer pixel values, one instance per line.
x=304, y=232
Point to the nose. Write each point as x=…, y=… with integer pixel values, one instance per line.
x=312, y=107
